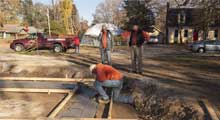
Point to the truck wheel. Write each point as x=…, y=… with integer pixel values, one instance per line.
x=19, y=47
x=57, y=48
x=201, y=50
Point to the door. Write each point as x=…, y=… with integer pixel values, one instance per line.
x=195, y=36
x=32, y=41
x=41, y=41
x=210, y=45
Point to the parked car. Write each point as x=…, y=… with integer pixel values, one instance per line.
x=39, y=41
x=153, y=40
x=205, y=45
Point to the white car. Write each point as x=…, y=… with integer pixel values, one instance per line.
x=153, y=39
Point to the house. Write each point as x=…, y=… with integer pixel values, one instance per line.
x=14, y=31
x=182, y=20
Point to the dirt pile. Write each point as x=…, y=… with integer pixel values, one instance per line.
x=155, y=103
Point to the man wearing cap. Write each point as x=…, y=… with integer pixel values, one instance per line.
x=107, y=76
x=106, y=45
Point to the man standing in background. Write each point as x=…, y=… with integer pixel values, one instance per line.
x=77, y=44
x=136, y=44
x=106, y=45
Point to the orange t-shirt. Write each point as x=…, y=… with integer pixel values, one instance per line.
x=104, y=39
x=106, y=72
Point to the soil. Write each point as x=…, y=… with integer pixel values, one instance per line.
x=180, y=76
x=123, y=111
x=27, y=105
x=37, y=66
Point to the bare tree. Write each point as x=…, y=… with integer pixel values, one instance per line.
x=208, y=15
x=109, y=11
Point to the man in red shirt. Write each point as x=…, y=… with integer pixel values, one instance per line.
x=77, y=43
x=107, y=76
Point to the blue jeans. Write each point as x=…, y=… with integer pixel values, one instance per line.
x=116, y=86
x=106, y=56
x=77, y=49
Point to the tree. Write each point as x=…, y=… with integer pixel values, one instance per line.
x=139, y=12
x=75, y=23
x=9, y=11
x=27, y=12
x=208, y=15
x=39, y=16
x=110, y=11
x=66, y=7
x=57, y=28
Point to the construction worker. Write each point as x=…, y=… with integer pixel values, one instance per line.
x=109, y=77
x=106, y=45
x=136, y=45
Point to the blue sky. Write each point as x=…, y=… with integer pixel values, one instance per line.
x=85, y=7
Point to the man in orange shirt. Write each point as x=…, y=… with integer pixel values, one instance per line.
x=106, y=45
x=107, y=76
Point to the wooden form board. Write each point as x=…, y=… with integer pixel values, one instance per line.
x=110, y=109
x=46, y=79
x=46, y=118
x=54, y=113
x=58, y=108
x=81, y=119
x=210, y=110
x=35, y=90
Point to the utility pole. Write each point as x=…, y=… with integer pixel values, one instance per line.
x=48, y=20
x=167, y=29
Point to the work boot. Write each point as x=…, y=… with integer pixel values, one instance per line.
x=103, y=101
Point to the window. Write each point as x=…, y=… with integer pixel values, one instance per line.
x=153, y=37
x=186, y=33
x=182, y=18
x=216, y=34
x=176, y=34
x=211, y=42
x=32, y=36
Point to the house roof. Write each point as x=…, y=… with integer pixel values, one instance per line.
x=15, y=28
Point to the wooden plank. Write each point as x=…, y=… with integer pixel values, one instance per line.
x=54, y=113
x=46, y=79
x=110, y=109
x=217, y=110
x=67, y=119
x=34, y=90
x=92, y=119
x=78, y=119
x=210, y=109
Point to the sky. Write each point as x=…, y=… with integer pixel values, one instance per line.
x=85, y=7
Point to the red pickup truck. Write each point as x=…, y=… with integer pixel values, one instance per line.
x=39, y=41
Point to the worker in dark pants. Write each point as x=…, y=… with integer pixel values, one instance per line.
x=106, y=45
x=136, y=46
